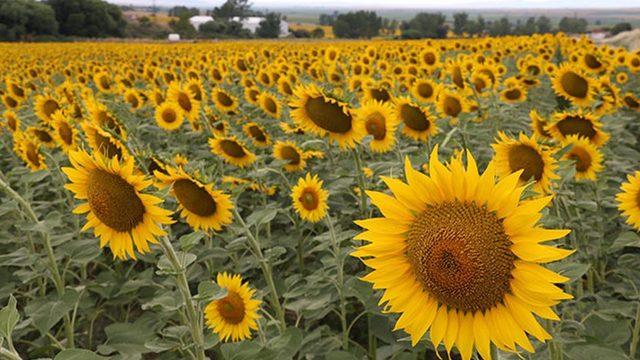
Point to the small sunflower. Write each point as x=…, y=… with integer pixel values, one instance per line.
x=223, y=101
x=270, y=105
x=288, y=151
x=46, y=106
x=459, y=255
x=451, y=103
x=28, y=149
x=169, y=115
x=310, y=199
x=12, y=121
x=185, y=98
x=119, y=213
x=379, y=122
x=526, y=155
x=539, y=124
x=232, y=151
x=257, y=134
x=418, y=122
x=513, y=94
x=425, y=90
x=64, y=133
x=102, y=142
x=629, y=200
x=43, y=135
x=573, y=84
x=234, y=316
x=203, y=207
x=587, y=157
x=582, y=124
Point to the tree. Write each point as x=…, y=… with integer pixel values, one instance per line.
x=543, y=25
x=501, y=27
x=620, y=27
x=232, y=8
x=183, y=27
x=573, y=25
x=359, y=24
x=527, y=28
x=327, y=19
x=183, y=11
x=20, y=18
x=301, y=33
x=269, y=27
x=460, y=23
x=317, y=33
x=425, y=25
x=88, y=18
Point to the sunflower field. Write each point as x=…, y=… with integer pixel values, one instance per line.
x=458, y=198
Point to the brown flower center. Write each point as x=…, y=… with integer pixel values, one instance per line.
x=425, y=90
x=575, y=85
x=231, y=308
x=524, y=157
x=414, y=117
x=232, y=148
x=185, y=102
x=290, y=154
x=224, y=99
x=169, y=116
x=380, y=94
x=576, y=125
x=270, y=106
x=49, y=107
x=376, y=125
x=327, y=115
x=309, y=199
x=257, y=134
x=114, y=201
x=65, y=133
x=194, y=198
x=513, y=94
x=452, y=106
x=581, y=157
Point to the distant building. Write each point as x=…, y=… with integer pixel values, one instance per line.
x=252, y=23
x=173, y=37
x=196, y=21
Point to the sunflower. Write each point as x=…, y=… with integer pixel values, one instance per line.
x=223, y=100
x=102, y=142
x=10, y=102
x=579, y=123
x=119, y=213
x=451, y=103
x=289, y=152
x=46, y=106
x=28, y=149
x=270, y=105
x=185, y=98
x=42, y=135
x=425, y=90
x=103, y=119
x=538, y=125
x=169, y=115
x=12, y=121
x=180, y=160
x=232, y=151
x=587, y=157
x=629, y=200
x=234, y=316
x=103, y=82
x=322, y=115
x=310, y=199
x=257, y=134
x=376, y=92
x=64, y=133
x=630, y=101
x=379, y=122
x=513, y=94
x=418, y=122
x=526, y=155
x=573, y=84
x=203, y=207
x=459, y=254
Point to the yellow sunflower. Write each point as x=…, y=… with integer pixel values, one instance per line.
x=425, y=90
x=46, y=106
x=629, y=200
x=270, y=105
x=451, y=103
x=257, y=134
x=102, y=142
x=234, y=316
x=513, y=94
x=310, y=199
x=185, y=98
x=587, y=157
x=224, y=101
x=169, y=115
x=379, y=121
x=203, y=207
x=418, y=122
x=460, y=255
x=119, y=213
x=582, y=124
x=289, y=152
x=43, y=135
x=539, y=124
x=64, y=133
x=573, y=84
x=28, y=149
x=12, y=121
x=232, y=151
x=525, y=154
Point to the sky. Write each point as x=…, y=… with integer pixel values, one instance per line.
x=399, y=4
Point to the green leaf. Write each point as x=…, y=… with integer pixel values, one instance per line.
x=45, y=313
x=626, y=239
x=188, y=241
x=287, y=344
x=262, y=216
x=209, y=291
x=572, y=270
x=9, y=317
x=78, y=354
x=595, y=352
x=340, y=355
x=245, y=350
x=184, y=260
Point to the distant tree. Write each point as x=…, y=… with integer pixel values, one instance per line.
x=20, y=18
x=232, y=8
x=327, y=19
x=88, y=18
x=425, y=25
x=460, y=22
x=501, y=27
x=359, y=24
x=146, y=28
x=573, y=25
x=543, y=25
x=183, y=27
x=269, y=27
x=526, y=28
x=301, y=33
x=183, y=11
x=317, y=33
x=620, y=27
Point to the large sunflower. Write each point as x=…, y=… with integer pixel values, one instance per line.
x=288, y=151
x=232, y=151
x=587, y=157
x=459, y=254
x=310, y=199
x=573, y=84
x=119, y=213
x=169, y=115
x=234, y=316
x=418, y=123
x=379, y=122
x=203, y=207
x=322, y=115
x=582, y=124
x=629, y=200
x=526, y=155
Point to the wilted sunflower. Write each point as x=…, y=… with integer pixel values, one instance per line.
x=535, y=161
x=232, y=151
x=119, y=213
x=28, y=149
x=270, y=105
x=582, y=124
x=539, y=124
x=257, y=134
x=234, y=316
x=289, y=152
x=573, y=84
x=310, y=199
x=587, y=157
x=102, y=142
x=183, y=96
x=64, y=133
x=223, y=101
x=46, y=106
x=322, y=115
x=169, y=115
x=459, y=254
x=379, y=122
x=629, y=200
x=203, y=207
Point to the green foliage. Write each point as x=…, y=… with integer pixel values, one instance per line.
x=20, y=19
x=317, y=33
x=621, y=27
x=222, y=29
x=183, y=11
x=573, y=25
x=232, y=8
x=269, y=27
x=355, y=25
x=425, y=25
x=183, y=27
x=88, y=18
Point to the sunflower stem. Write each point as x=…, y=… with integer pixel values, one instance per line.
x=340, y=285
x=265, y=266
x=633, y=348
x=363, y=196
x=183, y=285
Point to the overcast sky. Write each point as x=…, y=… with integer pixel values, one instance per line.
x=372, y=4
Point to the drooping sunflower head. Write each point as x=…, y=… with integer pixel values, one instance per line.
x=582, y=124
x=379, y=122
x=202, y=206
x=587, y=157
x=169, y=115
x=121, y=215
x=573, y=84
x=524, y=154
x=310, y=199
x=288, y=151
x=235, y=315
x=417, y=122
x=46, y=106
x=231, y=151
x=64, y=133
x=270, y=105
x=322, y=115
x=257, y=134
x=459, y=254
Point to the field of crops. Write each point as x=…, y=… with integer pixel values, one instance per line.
x=469, y=198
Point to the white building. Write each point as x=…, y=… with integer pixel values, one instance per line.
x=252, y=23
x=196, y=21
